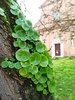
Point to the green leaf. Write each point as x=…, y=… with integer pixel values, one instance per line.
x=16, y=44
x=12, y=59
x=19, y=21
x=11, y=64
x=34, y=80
x=25, y=64
x=35, y=58
x=26, y=25
x=19, y=43
x=50, y=73
x=14, y=7
x=14, y=11
x=10, y=1
x=40, y=47
x=30, y=32
x=21, y=35
x=45, y=85
x=51, y=86
x=45, y=91
x=30, y=46
x=25, y=48
x=4, y=64
x=35, y=36
x=38, y=75
x=48, y=56
x=17, y=65
x=42, y=79
x=29, y=75
x=17, y=28
x=23, y=72
x=2, y=12
x=6, y=59
x=34, y=70
x=14, y=35
x=43, y=70
x=39, y=87
x=44, y=61
x=22, y=55
x=21, y=16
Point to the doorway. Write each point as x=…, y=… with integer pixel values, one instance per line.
x=57, y=50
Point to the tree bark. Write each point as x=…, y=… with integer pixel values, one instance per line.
x=12, y=87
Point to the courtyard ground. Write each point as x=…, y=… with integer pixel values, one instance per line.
x=64, y=73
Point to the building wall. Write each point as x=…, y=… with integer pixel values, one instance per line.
x=62, y=28
x=69, y=46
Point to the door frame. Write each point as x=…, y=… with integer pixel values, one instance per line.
x=57, y=41
x=57, y=49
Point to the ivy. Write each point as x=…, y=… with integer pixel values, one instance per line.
x=2, y=12
x=31, y=57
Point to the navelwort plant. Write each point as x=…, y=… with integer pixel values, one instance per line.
x=31, y=58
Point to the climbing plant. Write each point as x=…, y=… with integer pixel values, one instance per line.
x=31, y=57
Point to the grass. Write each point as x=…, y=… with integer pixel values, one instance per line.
x=64, y=73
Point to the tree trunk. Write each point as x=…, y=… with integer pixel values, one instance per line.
x=11, y=86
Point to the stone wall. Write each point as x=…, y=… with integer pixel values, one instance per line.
x=58, y=21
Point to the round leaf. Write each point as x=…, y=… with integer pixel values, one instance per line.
x=25, y=64
x=39, y=87
x=44, y=85
x=45, y=91
x=35, y=36
x=38, y=75
x=16, y=44
x=14, y=7
x=2, y=12
x=21, y=35
x=14, y=35
x=34, y=70
x=23, y=72
x=44, y=61
x=4, y=64
x=34, y=80
x=19, y=43
x=19, y=21
x=42, y=79
x=29, y=75
x=14, y=11
x=35, y=58
x=43, y=70
x=18, y=65
x=26, y=25
x=50, y=73
x=17, y=28
x=11, y=65
x=40, y=47
x=22, y=55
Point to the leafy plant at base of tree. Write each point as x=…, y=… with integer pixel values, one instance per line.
x=32, y=58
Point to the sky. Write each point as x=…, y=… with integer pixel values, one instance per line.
x=33, y=12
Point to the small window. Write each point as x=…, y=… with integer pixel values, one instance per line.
x=56, y=15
